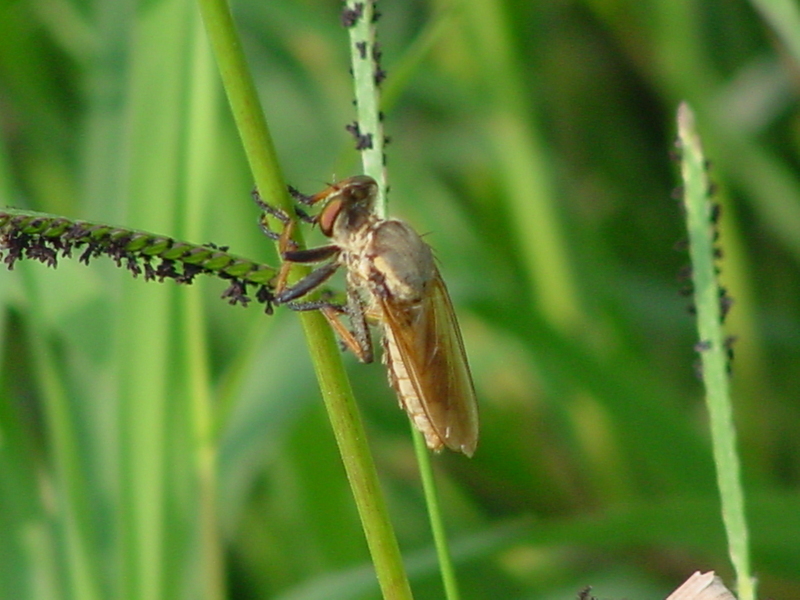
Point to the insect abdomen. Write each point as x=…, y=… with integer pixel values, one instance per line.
x=409, y=400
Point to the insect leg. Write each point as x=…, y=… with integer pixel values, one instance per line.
x=350, y=339
x=314, y=278
x=305, y=285
x=311, y=255
x=359, y=342
x=285, y=236
x=301, y=197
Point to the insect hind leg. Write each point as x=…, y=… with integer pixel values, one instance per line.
x=356, y=340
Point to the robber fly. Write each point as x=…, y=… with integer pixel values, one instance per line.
x=392, y=279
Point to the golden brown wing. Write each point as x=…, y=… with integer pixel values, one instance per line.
x=428, y=368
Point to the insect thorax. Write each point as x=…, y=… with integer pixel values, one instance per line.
x=391, y=261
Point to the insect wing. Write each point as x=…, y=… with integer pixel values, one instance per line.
x=427, y=341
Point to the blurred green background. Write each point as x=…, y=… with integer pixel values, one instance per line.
x=158, y=443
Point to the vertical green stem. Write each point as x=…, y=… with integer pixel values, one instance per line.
x=367, y=74
x=335, y=387
x=446, y=568
x=713, y=351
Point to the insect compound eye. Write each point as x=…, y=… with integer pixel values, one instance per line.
x=327, y=217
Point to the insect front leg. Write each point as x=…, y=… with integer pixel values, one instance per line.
x=285, y=236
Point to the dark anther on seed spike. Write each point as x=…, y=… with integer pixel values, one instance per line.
x=350, y=16
x=362, y=49
x=702, y=346
x=116, y=249
x=685, y=273
x=716, y=212
x=189, y=273
x=675, y=155
x=712, y=189
x=387, y=140
x=725, y=304
x=92, y=251
x=717, y=252
x=149, y=270
x=728, y=345
x=686, y=290
x=380, y=76
x=132, y=265
x=39, y=251
x=353, y=129
x=166, y=270
x=681, y=245
x=377, y=53
x=14, y=247
x=264, y=296
x=236, y=293
x=677, y=193
x=363, y=140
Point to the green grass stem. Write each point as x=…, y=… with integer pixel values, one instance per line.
x=440, y=541
x=334, y=384
x=713, y=347
x=366, y=67
x=368, y=104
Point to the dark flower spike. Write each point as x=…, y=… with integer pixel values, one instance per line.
x=45, y=238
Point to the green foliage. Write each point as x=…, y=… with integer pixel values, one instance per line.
x=156, y=442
